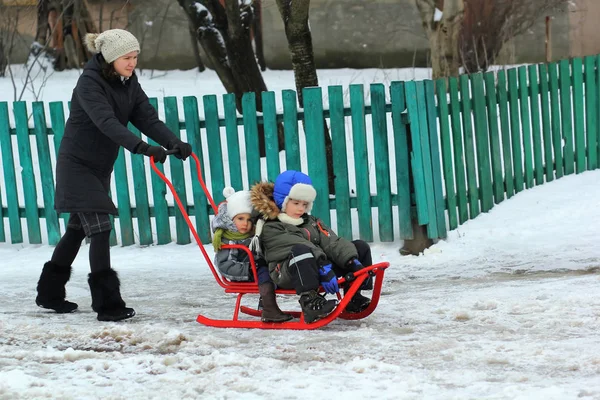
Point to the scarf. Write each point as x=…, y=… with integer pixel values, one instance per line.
x=230, y=235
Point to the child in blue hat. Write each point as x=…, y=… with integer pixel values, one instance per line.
x=301, y=251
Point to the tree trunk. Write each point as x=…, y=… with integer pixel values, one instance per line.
x=223, y=33
x=41, y=35
x=420, y=240
x=213, y=44
x=196, y=47
x=241, y=57
x=295, y=19
x=3, y=58
x=258, y=35
x=443, y=35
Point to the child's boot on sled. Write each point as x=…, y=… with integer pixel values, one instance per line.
x=315, y=307
x=51, y=288
x=106, y=296
x=270, y=309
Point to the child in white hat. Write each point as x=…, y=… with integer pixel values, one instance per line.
x=233, y=224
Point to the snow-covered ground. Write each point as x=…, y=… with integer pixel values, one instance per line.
x=508, y=307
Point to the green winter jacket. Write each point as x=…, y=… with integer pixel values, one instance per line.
x=281, y=232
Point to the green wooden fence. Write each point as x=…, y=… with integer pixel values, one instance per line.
x=442, y=151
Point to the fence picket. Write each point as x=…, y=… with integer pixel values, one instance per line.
x=213, y=141
x=598, y=113
x=271, y=138
x=459, y=155
x=123, y=200
x=546, y=126
x=425, y=149
x=251, y=138
x=361, y=162
x=577, y=92
x=27, y=174
x=484, y=168
x=290, y=129
x=492, y=121
x=159, y=190
x=316, y=158
x=515, y=130
x=591, y=112
x=340, y=162
x=382, y=166
x=233, y=141
x=402, y=160
x=10, y=179
x=436, y=168
x=192, y=129
x=559, y=166
x=566, y=112
x=45, y=168
x=444, y=114
x=525, y=126
x=473, y=190
x=534, y=101
x=177, y=173
x=509, y=181
x=416, y=157
x=57, y=119
x=140, y=191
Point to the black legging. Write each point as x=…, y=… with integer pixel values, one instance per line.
x=67, y=248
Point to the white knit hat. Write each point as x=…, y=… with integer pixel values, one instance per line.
x=237, y=202
x=113, y=43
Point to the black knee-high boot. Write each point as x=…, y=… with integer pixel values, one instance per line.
x=56, y=273
x=106, y=296
x=51, y=291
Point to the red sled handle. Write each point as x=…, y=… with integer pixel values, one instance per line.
x=182, y=208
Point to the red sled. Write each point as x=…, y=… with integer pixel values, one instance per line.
x=355, y=280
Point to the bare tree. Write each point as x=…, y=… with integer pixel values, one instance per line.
x=489, y=24
x=471, y=33
x=297, y=31
x=61, y=26
x=223, y=31
x=258, y=35
x=8, y=31
x=442, y=21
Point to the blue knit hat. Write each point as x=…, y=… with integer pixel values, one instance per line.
x=293, y=185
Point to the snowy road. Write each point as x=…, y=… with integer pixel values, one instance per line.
x=507, y=308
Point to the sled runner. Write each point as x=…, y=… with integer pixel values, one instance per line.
x=354, y=279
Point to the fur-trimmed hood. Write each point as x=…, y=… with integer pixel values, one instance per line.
x=261, y=196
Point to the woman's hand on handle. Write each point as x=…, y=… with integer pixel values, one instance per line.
x=181, y=149
x=157, y=152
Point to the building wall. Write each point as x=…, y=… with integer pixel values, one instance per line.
x=346, y=34
x=584, y=34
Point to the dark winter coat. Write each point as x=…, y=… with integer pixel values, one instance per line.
x=281, y=232
x=95, y=130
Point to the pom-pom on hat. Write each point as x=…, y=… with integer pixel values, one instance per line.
x=237, y=202
x=113, y=43
x=293, y=185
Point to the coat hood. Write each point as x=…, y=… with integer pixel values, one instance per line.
x=261, y=196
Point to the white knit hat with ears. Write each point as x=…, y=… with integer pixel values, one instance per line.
x=237, y=202
x=113, y=43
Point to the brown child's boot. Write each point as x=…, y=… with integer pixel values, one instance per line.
x=271, y=311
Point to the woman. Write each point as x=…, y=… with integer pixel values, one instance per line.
x=106, y=98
